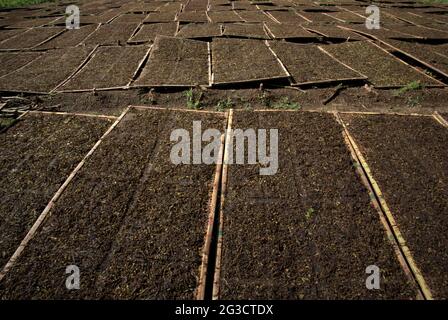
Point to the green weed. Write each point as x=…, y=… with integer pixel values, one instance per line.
x=6, y=122
x=225, y=104
x=265, y=99
x=192, y=101
x=285, y=104
x=411, y=86
x=413, y=102
x=20, y=3
x=309, y=214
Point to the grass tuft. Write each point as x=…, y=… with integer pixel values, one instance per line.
x=20, y=3
x=192, y=101
x=6, y=122
x=286, y=104
x=225, y=104
x=309, y=214
x=411, y=86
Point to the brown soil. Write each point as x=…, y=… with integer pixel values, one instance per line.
x=236, y=61
x=385, y=18
x=381, y=68
x=265, y=5
x=100, y=102
x=221, y=7
x=30, y=38
x=407, y=156
x=332, y=32
x=440, y=49
x=193, y=16
x=423, y=52
x=102, y=17
x=5, y=34
x=171, y=7
x=109, y=34
x=318, y=8
x=317, y=17
x=148, y=32
x=351, y=99
x=47, y=71
x=445, y=116
x=37, y=154
x=197, y=5
x=414, y=101
x=175, y=62
x=129, y=18
x=423, y=32
x=346, y=17
x=199, y=30
x=287, y=17
x=254, y=16
x=290, y=31
x=242, y=5
x=383, y=33
x=188, y=66
x=274, y=248
x=108, y=68
x=307, y=63
x=160, y=17
x=143, y=7
x=10, y=62
x=255, y=31
x=224, y=16
x=30, y=23
x=412, y=18
x=69, y=38
x=133, y=222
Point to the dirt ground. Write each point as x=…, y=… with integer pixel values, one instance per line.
x=407, y=157
x=364, y=99
x=132, y=221
x=135, y=223
x=37, y=155
x=309, y=230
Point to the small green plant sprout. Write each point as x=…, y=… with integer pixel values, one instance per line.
x=285, y=103
x=413, y=102
x=411, y=86
x=309, y=214
x=225, y=104
x=192, y=101
x=264, y=99
x=6, y=122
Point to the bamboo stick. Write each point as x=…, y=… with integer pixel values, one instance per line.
x=210, y=225
x=425, y=290
x=75, y=114
x=440, y=119
x=178, y=109
x=217, y=273
x=47, y=211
